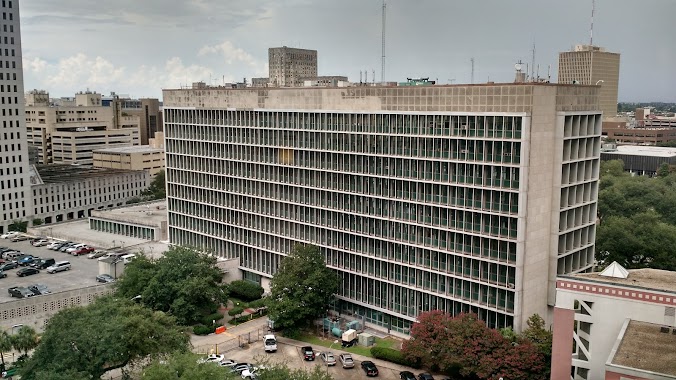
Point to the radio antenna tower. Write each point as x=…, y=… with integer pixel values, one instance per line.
x=382, y=69
x=591, y=31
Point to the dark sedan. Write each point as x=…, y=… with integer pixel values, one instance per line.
x=8, y=266
x=406, y=375
x=308, y=353
x=27, y=271
x=370, y=368
x=105, y=278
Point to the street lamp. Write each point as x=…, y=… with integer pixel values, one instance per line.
x=113, y=243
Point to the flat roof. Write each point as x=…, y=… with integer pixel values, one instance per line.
x=640, y=150
x=146, y=214
x=647, y=278
x=645, y=347
x=57, y=173
x=130, y=149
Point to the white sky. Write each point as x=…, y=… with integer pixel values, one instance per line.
x=138, y=47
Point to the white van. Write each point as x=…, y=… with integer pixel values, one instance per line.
x=270, y=343
x=126, y=259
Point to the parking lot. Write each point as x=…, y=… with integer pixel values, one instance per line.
x=292, y=356
x=83, y=271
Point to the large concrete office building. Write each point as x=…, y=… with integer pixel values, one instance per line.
x=589, y=65
x=14, y=167
x=288, y=66
x=68, y=134
x=467, y=198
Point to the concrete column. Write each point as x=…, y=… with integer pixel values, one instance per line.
x=562, y=345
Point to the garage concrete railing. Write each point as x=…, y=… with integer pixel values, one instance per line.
x=36, y=311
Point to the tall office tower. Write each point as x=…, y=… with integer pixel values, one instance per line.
x=467, y=198
x=287, y=66
x=14, y=174
x=591, y=65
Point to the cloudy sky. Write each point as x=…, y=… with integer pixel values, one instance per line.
x=138, y=47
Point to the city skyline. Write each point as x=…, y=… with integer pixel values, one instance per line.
x=138, y=49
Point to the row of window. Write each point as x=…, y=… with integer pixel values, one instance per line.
x=386, y=240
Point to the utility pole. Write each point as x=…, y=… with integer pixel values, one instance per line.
x=472, y=60
x=382, y=69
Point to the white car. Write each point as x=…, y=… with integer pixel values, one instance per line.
x=9, y=235
x=213, y=358
x=75, y=248
x=270, y=343
x=54, y=244
x=251, y=373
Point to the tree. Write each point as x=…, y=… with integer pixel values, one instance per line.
x=157, y=188
x=184, y=365
x=5, y=345
x=302, y=288
x=184, y=282
x=236, y=311
x=540, y=337
x=18, y=225
x=245, y=290
x=106, y=334
x=25, y=339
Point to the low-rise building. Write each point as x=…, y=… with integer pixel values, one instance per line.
x=67, y=192
x=639, y=160
x=141, y=157
x=618, y=324
x=144, y=221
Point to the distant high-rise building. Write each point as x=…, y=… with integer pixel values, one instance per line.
x=591, y=65
x=14, y=167
x=288, y=66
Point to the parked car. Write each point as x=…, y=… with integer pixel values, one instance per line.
x=406, y=375
x=105, y=278
x=9, y=235
x=227, y=363
x=126, y=259
x=20, y=238
x=96, y=254
x=328, y=358
x=61, y=245
x=425, y=376
x=213, y=358
x=82, y=251
x=8, y=266
x=240, y=367
x=59, y=266
x=370, y=368
x=39, y=289
x=27, y=260
x=270, y=343
x=74, y=247
x=3, y=274
x=28, y=271
x=252, y=373
x=20, y=292
x=12, y=255
x=39, y=242
x=55, y=245
x=308, y=353
x=43, y=263
x=346, y=360
x=65, y=247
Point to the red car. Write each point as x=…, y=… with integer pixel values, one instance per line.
x=83, y=251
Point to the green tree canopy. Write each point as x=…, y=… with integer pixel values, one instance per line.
x=302, y=288
x=106, y=334
x=157, y=188
x=5, y=345
x=184, y=365
x=25, y=339
x=184, y=282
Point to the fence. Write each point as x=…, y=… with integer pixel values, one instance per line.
x=232, y=343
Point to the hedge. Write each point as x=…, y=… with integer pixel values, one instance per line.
x=392, y=355
x=245, y=290
x=203, y=330
x=209, y=319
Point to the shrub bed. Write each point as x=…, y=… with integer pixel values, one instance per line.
x=203, y=330
x=245, y=290
x=392, y=355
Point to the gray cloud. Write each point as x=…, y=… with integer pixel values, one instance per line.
x=434, y=38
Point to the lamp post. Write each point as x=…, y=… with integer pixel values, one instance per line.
x=113, y=244
x=51, y=235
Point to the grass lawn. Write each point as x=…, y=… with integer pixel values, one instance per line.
x=359, y=350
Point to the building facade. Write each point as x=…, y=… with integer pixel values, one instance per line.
x=144, y=221
x=614, y=324
x=68, y=134
x=141, y=157
x=14, y=163
x=149, y=113
x=68, y=192
x=639, y=160
x=459, y=198
x=288, y=66
x=589, y=65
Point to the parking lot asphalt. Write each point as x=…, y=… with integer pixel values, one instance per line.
x=82, y=274
x=291, y=355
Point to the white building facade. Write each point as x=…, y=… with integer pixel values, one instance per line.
x=459, y=198
x=14, y=167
